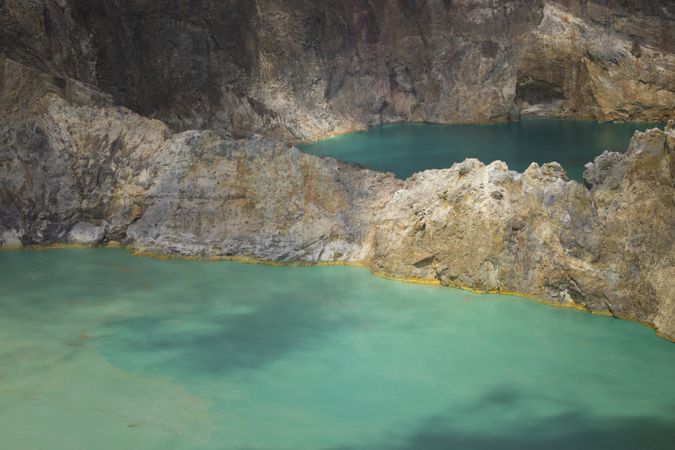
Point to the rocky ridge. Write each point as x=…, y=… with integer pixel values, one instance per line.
x=607, y=246
x=76, y=169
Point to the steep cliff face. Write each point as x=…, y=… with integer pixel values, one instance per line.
x=299, y=70
x=75, y=169
x=599, y=60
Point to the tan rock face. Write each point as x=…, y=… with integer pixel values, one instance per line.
x=608, y=247
x=72, y=171
x=257, y=199
x=597, y=63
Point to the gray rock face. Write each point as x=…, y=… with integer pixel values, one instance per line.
x=302, y=69
x=75, y=170
x=68, y=172
x=258, y=199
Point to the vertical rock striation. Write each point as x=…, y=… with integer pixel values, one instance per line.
x=300, y=70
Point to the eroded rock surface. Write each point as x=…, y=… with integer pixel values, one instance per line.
x=609, y=246
x=302, y=69
x=75, y=169
x=87, y=174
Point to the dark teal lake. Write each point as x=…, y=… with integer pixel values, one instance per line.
x=102, y=350
x=412, y=147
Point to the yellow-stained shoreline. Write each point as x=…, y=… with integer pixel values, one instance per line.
x=135, y=251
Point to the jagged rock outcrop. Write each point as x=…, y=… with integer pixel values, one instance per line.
x=302, y=69
x=75, y=169
x=609, y=246
x=86, y=174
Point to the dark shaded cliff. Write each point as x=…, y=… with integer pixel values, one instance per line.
x=298, y=69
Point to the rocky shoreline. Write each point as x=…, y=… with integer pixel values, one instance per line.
x=168, y=127
x=77, y=170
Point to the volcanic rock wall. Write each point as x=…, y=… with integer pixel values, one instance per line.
x=299, y=69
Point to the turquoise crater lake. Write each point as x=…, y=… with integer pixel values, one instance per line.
x=102, y=350
x=412, y=147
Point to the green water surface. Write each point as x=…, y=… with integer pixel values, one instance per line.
x=102, y=350
x=411, y=147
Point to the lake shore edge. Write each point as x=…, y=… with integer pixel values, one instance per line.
x=136, y=252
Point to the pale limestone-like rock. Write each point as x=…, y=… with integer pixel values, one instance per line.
x=258, y=199
x=86, y=234
x=610, y=248
x=11, y=239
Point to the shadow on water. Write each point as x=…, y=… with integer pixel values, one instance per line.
x=572, y=430
x=223, y=343
x=520, y=427
x=328, y=358
x=184, y=318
